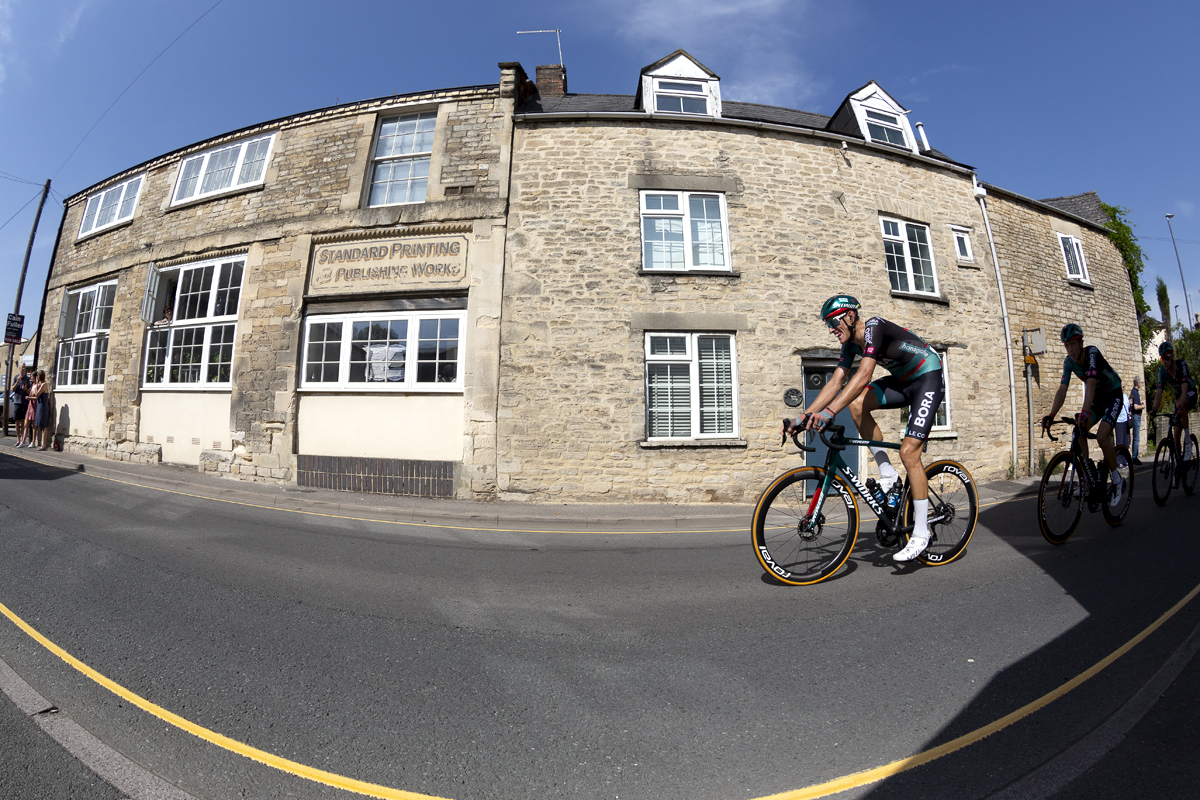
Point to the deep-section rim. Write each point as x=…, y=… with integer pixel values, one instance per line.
x=949, y=465
x=1191, y=467
x=762, y=509
x=1052, y=538
x=1164, y=455
x=1112, y=517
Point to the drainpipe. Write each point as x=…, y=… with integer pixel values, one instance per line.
x=980, y=194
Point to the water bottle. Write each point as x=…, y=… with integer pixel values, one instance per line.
x=893, y=497
x=876, y=492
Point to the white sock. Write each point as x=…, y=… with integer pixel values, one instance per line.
x=1116, y=479
x=921, y=517
x=885, y=464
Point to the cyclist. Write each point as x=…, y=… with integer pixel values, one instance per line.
x=915, y=380
x=1175, y=372
x=1102, y=400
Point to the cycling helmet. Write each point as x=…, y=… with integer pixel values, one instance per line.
x=1164, y=348
x=1071, y=331
x=836, y=306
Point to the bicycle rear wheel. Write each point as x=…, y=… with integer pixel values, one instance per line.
x=953, y=512
x=1190, y=468
x=1163, y=477
x=1125, y=469
x=795, y=541
x=1060, y=497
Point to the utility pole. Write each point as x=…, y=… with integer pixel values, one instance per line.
x=1186, y=302
x=17, y=308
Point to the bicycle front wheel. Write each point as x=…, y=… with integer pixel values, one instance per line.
x=801, y=538
x=1060, y=498
x=953, y=512
x=1112, y=515
x=1163, y=476
x=1190, y=468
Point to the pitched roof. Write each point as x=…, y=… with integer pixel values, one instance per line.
x=1086, y=205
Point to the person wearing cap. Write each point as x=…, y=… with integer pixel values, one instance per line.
x=1174, y=371
x=915, y=380
x=1102, y=400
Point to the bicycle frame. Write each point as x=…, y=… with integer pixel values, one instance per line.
x=834, y=463
x=1090, y=476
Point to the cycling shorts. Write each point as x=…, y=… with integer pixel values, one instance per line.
x=924, y=395
x=1107, y=408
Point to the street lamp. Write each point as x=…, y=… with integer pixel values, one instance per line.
x=1186, y=301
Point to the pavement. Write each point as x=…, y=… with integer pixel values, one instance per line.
x=658, y=517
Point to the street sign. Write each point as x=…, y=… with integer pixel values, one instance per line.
x=12, y=332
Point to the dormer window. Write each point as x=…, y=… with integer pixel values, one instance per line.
x=680, y=97
x=885, y=129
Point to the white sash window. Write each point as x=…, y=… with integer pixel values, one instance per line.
x=691, y=386
x=83, y=324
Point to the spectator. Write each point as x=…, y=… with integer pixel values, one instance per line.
x=1136, y=407
x=1122, y=427
x=20, y=389
x=42, y=415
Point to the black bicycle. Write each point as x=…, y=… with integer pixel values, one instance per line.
x=1070, y=480
x=1171, y=467
x=806, y=520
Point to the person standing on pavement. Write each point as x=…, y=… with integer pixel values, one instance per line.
x=42, y=415
x=1136, y=407
x=1122, y=429
x=21, y=388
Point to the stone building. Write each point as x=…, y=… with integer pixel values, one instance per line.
x=511, y=291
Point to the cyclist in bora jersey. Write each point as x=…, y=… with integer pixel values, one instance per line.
x=1102, y=400
x=915, y=380
x=1175, y=372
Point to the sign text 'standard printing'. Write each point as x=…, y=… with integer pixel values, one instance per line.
x=389, y=264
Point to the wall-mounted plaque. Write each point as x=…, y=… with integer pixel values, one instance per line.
x=403, y=263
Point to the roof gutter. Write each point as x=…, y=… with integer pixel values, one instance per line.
x=1091, y=223
x=774, y=127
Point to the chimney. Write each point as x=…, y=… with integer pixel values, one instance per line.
x=551, y=80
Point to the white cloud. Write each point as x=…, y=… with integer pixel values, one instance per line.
x=70, y=21
x=5, y=38
x=751, y=44
x=1186, y=207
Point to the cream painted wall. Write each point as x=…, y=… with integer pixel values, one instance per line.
x=81, y=413
x=417, y=426
x=185, y=423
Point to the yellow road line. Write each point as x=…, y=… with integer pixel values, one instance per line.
x=224, y=742
x=410, y=524
x=877, y=774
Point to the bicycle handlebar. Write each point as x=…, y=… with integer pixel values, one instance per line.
x=1063, y=421
x=836, y=430
x=787, y=423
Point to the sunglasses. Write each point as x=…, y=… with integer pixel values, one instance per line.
x=833, y=322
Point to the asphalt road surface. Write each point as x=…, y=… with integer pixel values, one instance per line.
x=470, y=664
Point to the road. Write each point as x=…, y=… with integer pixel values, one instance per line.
x=468, y=663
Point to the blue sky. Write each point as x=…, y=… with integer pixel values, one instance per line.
x=1044, y=99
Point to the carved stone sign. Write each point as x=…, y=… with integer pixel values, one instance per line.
x=403, y=263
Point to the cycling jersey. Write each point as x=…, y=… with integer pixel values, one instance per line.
x=896, y=349
x=1181, y=376
x=1094, y=366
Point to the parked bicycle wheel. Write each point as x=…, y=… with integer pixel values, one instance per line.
x=1125, y=469
x=796, y=545
x=1163, y=477
x=1060, y=497
x=1190, y=468
x=953, y=512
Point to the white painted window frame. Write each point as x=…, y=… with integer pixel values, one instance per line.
x=691, y=358
x=95, y=333
x=963, y=235
x=378, y=161
x=195, y=167
x=177, y=328
x=908, y=256
x=685, y=216
x=1066, y=240
x=410, y=384
x=123, y=198
x=668, y=86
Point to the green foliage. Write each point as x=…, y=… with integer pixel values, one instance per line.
x=1121, y=234
x=1164, y=305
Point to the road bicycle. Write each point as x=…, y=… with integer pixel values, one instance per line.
x=806, y=520
x=1070, y=479
x=1171, y=467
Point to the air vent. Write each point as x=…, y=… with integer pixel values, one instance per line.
x=170, y=440
x=150, y=440
x=216, y=445
x=195, y=441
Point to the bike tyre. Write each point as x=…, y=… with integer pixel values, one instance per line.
x=1163, y=477
x=781, y=549
x=949, y=484
x=1190, y=469
x=1063, y=477
x=1114, y=516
